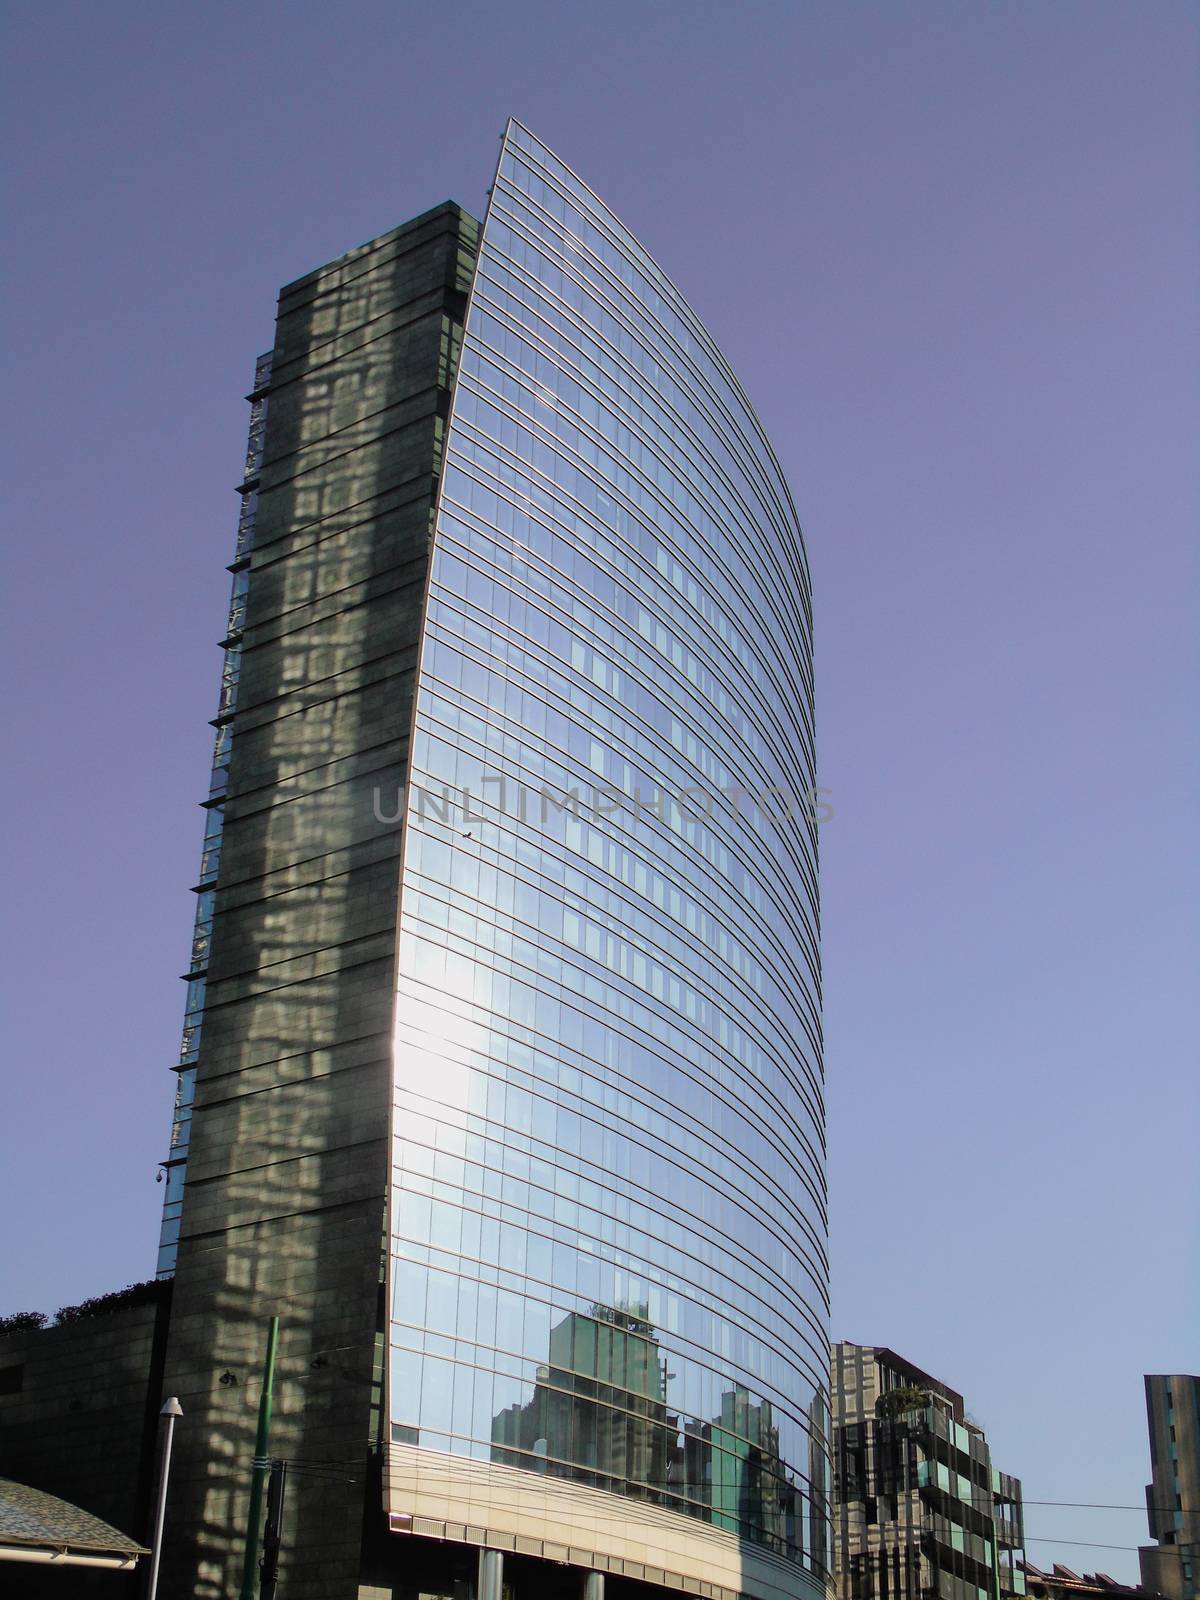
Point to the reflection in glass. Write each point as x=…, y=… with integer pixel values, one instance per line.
x=599, y=1416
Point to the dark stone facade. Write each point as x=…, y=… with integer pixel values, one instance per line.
x=284, y=1208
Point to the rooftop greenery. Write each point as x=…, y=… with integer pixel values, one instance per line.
x=99, y=1305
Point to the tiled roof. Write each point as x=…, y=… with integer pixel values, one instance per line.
x=27, y=1516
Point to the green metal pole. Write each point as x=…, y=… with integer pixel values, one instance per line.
x=258, y=1475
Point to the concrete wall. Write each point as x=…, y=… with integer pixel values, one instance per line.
x=283, y=1211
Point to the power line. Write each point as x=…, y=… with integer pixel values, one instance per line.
x=1096, y=1505
x=1075, y=1505
x=331, y=1471
x=1084, y=1544
x=328, y=1471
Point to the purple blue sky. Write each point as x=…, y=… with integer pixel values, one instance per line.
x=951, y=251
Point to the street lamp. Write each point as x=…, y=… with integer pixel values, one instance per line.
x=170, y=1410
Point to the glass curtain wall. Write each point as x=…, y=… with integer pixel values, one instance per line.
x=608, y=1216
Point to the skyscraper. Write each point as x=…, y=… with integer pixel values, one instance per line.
x=501, y=1082
x=1172, y=1564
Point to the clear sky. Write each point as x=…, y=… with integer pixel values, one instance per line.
x=951, y=251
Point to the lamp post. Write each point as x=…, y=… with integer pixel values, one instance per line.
x=170, y=1410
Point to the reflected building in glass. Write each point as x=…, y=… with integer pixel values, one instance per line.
x=558, y=1050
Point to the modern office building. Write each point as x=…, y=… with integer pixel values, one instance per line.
x=1172, y=1564
x=501, y=1077
x=918, y=1509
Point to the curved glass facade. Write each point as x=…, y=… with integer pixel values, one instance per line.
x=608, y=1211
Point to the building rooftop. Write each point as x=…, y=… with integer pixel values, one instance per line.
x=33, y=1520
x=1063, y=1581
